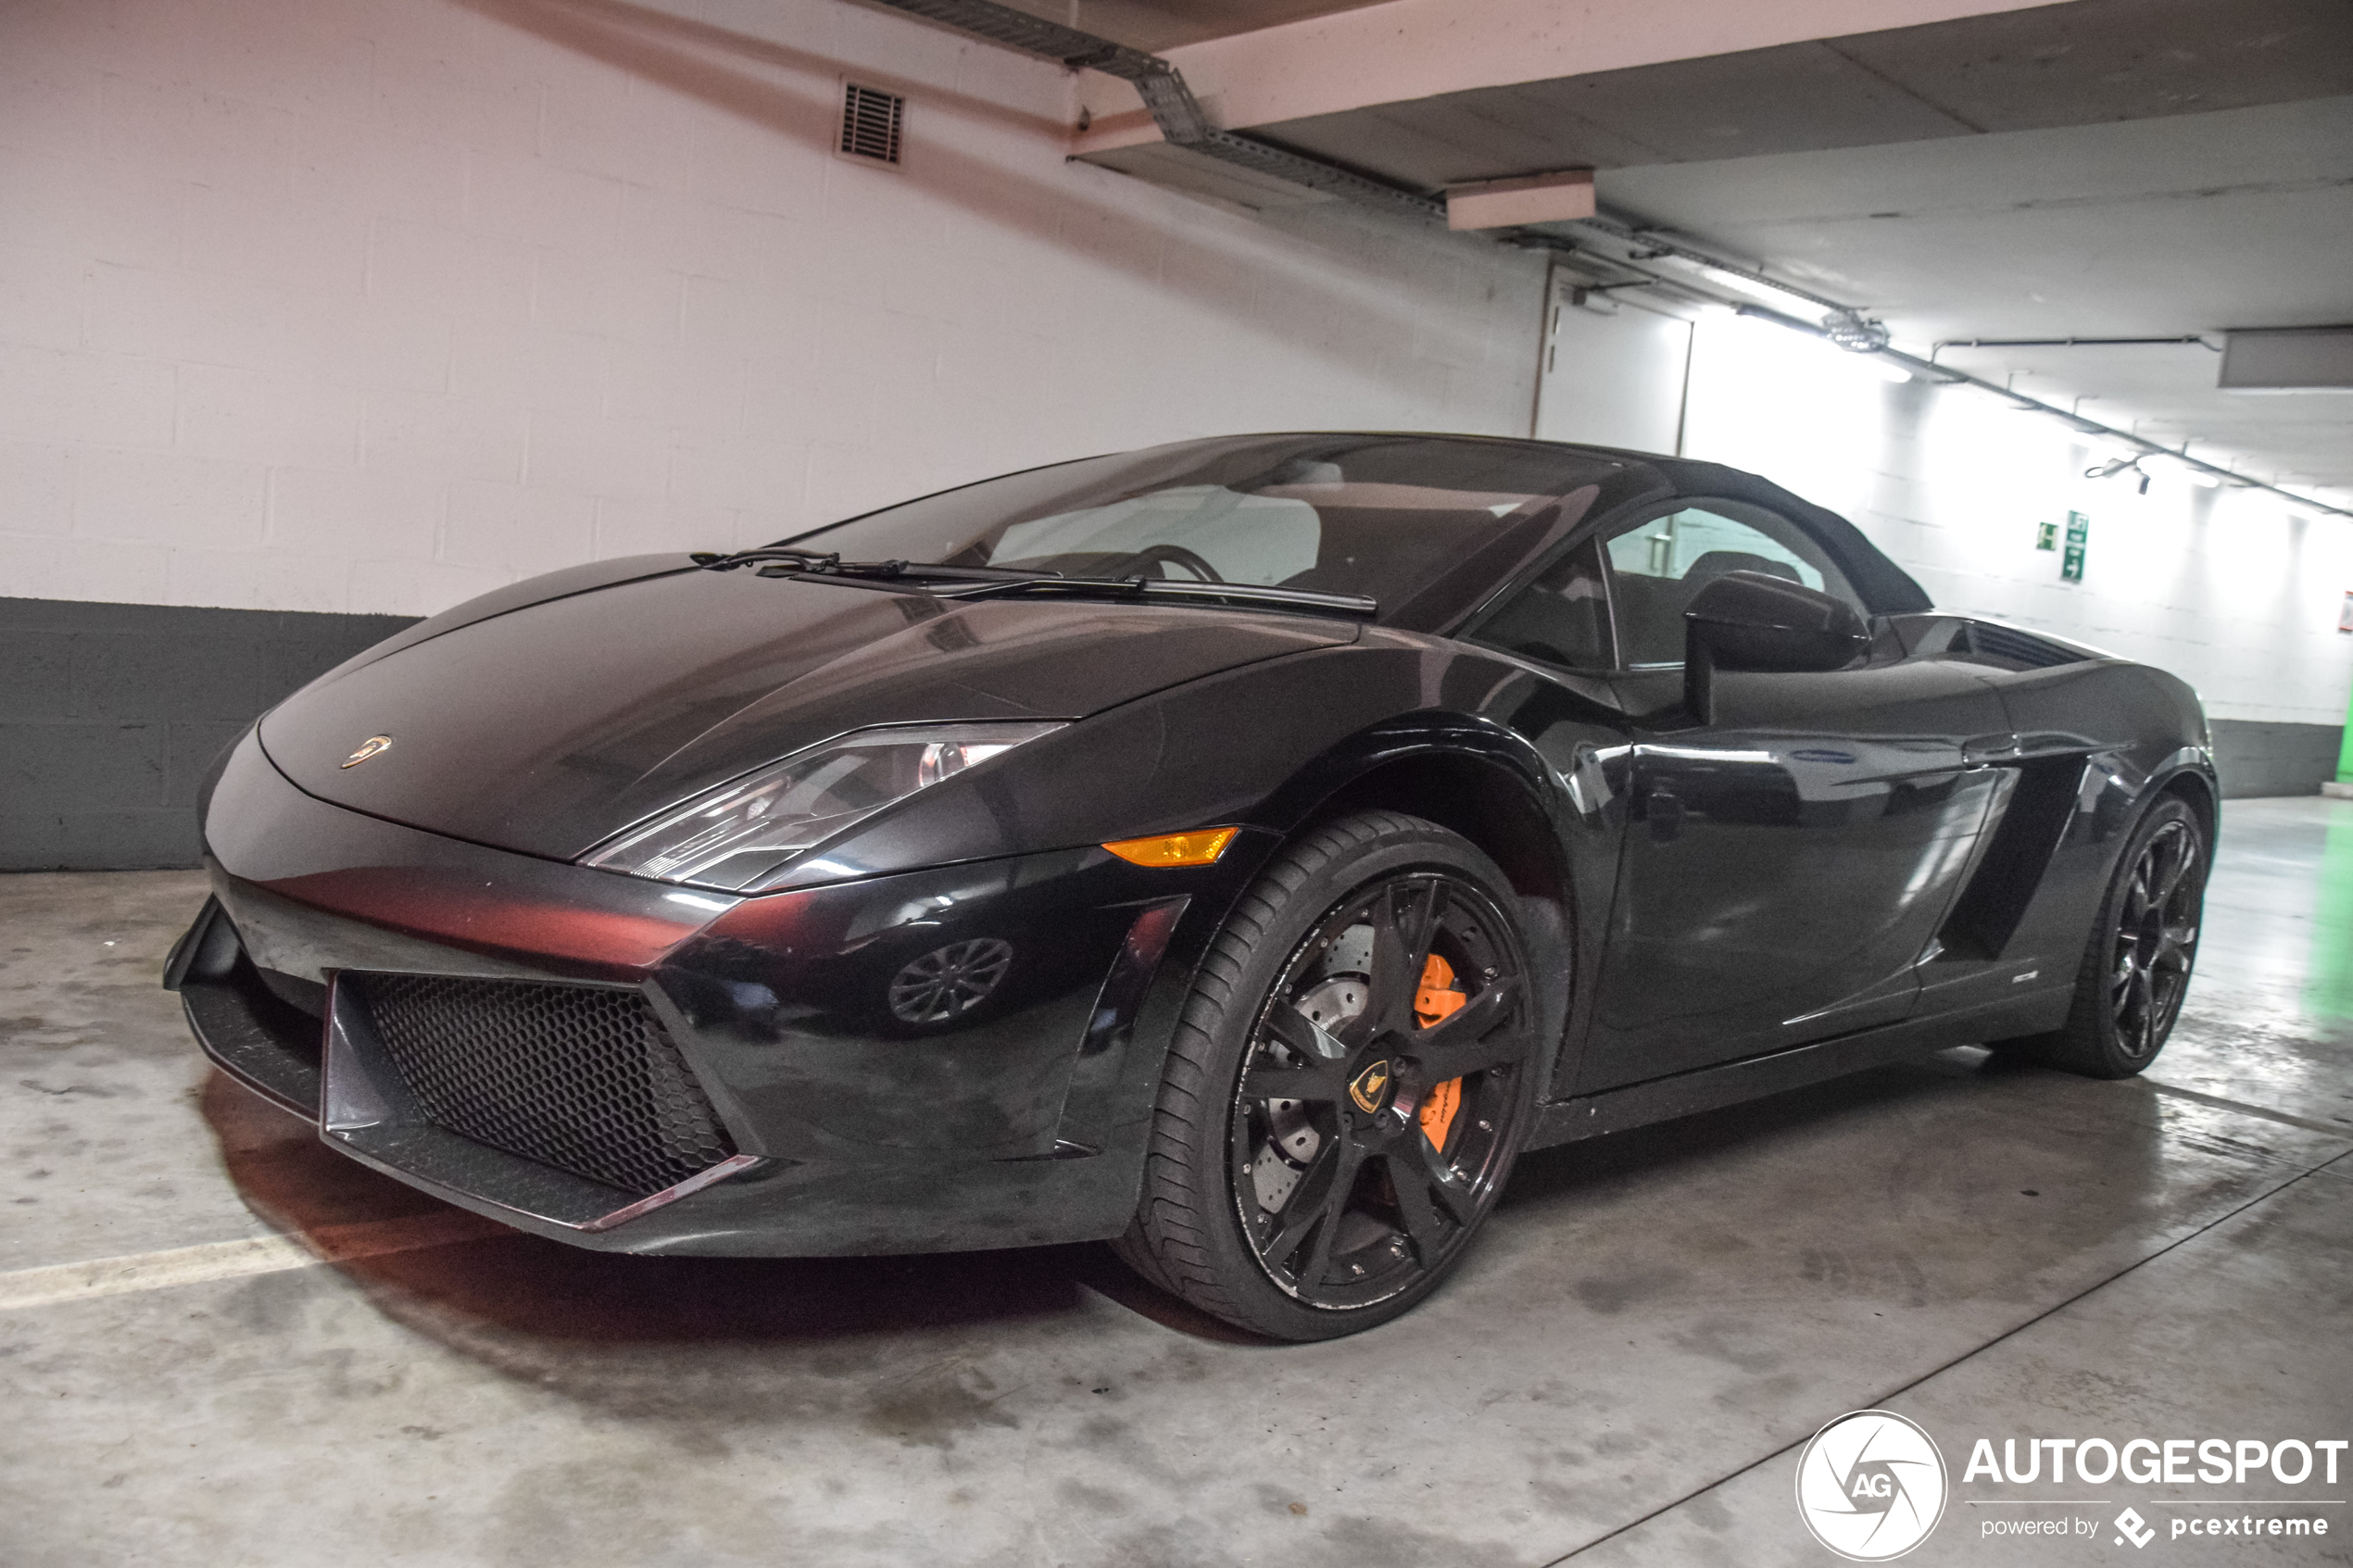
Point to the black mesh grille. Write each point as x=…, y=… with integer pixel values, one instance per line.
x=580, y=1079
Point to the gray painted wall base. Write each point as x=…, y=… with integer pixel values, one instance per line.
x=2258, y=758
x=110, y=714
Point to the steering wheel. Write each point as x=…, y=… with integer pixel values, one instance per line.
x=1177, y=555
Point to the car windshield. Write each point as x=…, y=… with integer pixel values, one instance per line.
x=1389, y=517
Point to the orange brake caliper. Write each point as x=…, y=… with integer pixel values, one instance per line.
x=1437, y=1001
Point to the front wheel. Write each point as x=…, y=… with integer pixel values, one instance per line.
x=2144, y=943
x=1351, y=1078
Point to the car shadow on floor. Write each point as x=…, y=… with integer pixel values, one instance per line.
x=514, y=1287
x=527, y=1285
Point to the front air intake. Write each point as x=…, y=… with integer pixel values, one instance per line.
x=578, y=1077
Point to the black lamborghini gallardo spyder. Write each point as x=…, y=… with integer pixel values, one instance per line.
x=1240, y=850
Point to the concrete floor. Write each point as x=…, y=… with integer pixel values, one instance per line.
x=1623, y=1373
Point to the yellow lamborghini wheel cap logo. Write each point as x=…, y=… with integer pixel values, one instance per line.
x=368, y=748
x=1369, y=1087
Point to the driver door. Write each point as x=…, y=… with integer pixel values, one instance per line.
x=1784, y=867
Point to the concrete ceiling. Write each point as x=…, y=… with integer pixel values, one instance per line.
x=2090, y=62
x=1154, y=25
x=2149, y=228
x=2101, y=167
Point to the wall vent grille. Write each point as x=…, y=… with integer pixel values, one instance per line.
x=870, y=122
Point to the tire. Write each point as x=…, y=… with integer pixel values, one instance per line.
x=2137, y=965
x=1320, y=1153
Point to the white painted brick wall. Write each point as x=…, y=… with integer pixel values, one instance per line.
x=2235, y=591
x=373, y=305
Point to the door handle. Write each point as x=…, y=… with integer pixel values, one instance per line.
x=1980, y=751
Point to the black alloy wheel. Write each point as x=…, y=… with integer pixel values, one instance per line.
x=2155, y=939
x=1340, y=1113
x=1340, y=1179
x=2136, y=970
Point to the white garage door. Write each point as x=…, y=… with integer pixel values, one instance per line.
x=1612, y=380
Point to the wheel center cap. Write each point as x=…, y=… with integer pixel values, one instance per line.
x=1369, y=1088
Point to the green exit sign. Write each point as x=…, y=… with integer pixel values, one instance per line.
x=2078, y=534
x=2047, y=535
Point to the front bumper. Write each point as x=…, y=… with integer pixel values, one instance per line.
x=848, y=1128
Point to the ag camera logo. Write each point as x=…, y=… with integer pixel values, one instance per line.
x=1870, y=1485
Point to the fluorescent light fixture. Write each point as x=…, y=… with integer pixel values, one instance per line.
x=1749, y=286
x=2170, y=465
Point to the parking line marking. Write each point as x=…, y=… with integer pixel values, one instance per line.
x=2283, y=1118
x=232, y=1260
x=1892, y=1395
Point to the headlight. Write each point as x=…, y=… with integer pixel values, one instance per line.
x=739, y=835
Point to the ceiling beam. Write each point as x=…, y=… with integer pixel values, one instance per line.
x=2288, y=359
x=1508, y=203
x=1410, y=49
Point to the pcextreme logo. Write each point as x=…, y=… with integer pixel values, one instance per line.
x=1870, y=1485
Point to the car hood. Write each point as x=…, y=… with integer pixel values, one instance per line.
x=547, y=728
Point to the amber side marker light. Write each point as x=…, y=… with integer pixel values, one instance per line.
x=1200, y=848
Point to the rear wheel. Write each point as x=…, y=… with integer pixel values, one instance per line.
x=1351, y=1080
x=2137, y=969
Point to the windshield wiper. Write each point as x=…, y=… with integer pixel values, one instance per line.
x=1151, y=588
x=994, y=581
x=776, y=560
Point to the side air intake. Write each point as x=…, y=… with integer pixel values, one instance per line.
x=2041, y=802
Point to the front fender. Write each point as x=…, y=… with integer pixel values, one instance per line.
x=1260, y=746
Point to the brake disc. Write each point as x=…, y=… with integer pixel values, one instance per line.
x=1291, y=1139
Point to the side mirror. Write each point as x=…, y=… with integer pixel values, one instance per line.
x=1748, y=621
